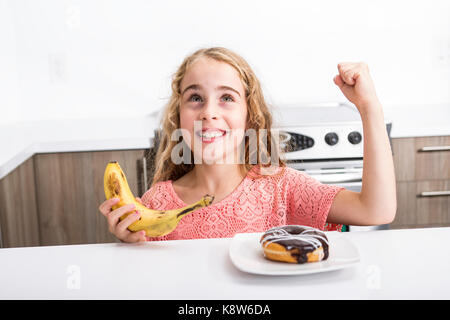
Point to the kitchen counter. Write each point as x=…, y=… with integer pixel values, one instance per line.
x=20, y=141
x=395, y=264
x=419, y=120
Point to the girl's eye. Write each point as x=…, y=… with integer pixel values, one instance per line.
x=230, y=97
x=193, y=96
x=196, y=96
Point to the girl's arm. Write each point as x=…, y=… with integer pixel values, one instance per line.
x=377, y=201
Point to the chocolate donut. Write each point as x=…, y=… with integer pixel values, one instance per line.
x=295, y=244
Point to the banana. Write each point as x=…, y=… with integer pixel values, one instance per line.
x=155, y=223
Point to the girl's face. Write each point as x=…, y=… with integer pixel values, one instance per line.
x=213, y=111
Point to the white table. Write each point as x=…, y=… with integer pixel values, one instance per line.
x=395, y=264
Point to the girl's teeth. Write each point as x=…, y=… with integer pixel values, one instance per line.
x=212, y=135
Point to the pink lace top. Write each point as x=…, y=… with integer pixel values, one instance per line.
x=258, y=203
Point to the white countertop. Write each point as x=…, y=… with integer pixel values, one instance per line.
x=20, y=141
x=418, y=120
x=395, y=264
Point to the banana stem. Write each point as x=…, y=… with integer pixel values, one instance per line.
x=204, y=202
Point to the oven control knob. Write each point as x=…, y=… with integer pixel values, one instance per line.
x=331, y=138
x=354, y=137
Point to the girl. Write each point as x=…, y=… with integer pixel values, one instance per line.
x=216, y=98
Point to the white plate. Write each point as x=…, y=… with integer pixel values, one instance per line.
x=247, y=255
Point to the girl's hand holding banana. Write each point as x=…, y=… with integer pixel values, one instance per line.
x=129, y=219
x=120, y=228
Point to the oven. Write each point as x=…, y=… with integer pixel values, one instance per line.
x=326, y=142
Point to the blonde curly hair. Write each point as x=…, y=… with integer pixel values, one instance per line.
x=259, y=117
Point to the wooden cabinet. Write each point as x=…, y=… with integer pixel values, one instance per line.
x=53, y=199
x=422, y=167
x=19, y=221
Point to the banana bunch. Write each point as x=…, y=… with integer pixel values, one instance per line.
x=155, y=223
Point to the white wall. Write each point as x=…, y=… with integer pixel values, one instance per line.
x=9, y=85
x=90, y=57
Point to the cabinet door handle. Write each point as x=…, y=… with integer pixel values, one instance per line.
x=144, y=171
x=1, y=237
x=434, y=193
x=434, y=148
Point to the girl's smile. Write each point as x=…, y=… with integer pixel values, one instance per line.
x=209, y=135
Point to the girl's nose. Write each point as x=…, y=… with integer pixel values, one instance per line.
x=209, y=111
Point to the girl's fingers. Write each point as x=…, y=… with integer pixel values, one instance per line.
x=105, y=207
x=114, y=216
x=136, y=236
x=348, y=76
x=120, y=229
x=351, y=71
x=346, y=71
x=125, y=223
x=338, y=81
